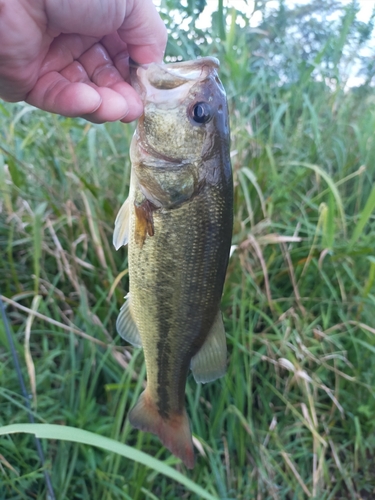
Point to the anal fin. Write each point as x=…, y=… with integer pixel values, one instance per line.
x=174, y=432
x=125, y=325
x=121, y=232
x=210, y=362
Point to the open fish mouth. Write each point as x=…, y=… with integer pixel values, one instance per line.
x=175, y=74
x=150, y=80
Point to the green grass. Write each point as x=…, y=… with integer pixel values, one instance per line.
x=294, y=417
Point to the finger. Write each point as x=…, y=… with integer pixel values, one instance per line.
x=99, y=66
x=54, y=93
x=101, y=71
x=94, y=65
x=144, y=32
x=75, y=73
x=64, y=50
x=118, y=52
x=113, y=103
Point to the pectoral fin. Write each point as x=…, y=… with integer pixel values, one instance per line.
x=210, y=362
x=121, y=232
x=144, y=221
x=125, y=325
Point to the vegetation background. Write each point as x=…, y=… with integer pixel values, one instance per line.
x=295, y=416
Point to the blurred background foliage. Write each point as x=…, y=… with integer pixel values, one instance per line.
x=294, y=417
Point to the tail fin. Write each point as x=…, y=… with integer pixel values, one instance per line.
x=173, y=432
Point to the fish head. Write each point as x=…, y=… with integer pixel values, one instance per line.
x=184, y=108
x=185, y=123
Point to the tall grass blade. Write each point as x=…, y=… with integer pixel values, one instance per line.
x=4, y=187
x=37, y=241
x=363, y=219
x=332, y=186
x=66, y=433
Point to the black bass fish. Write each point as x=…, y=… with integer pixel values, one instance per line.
x=177, y=222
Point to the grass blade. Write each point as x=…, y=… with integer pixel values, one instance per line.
x=66, y=433
x=364, y=217
x=37, y=241
x=332, y=186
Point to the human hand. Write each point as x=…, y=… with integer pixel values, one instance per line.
x=72, y=57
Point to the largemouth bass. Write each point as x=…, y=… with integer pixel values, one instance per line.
x=177, y=222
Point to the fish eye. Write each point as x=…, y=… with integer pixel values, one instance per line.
x=201, y=112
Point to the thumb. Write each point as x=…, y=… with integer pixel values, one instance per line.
x=86, y=17
x=144, y=32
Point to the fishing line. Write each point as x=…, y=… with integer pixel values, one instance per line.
x=21, y=381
